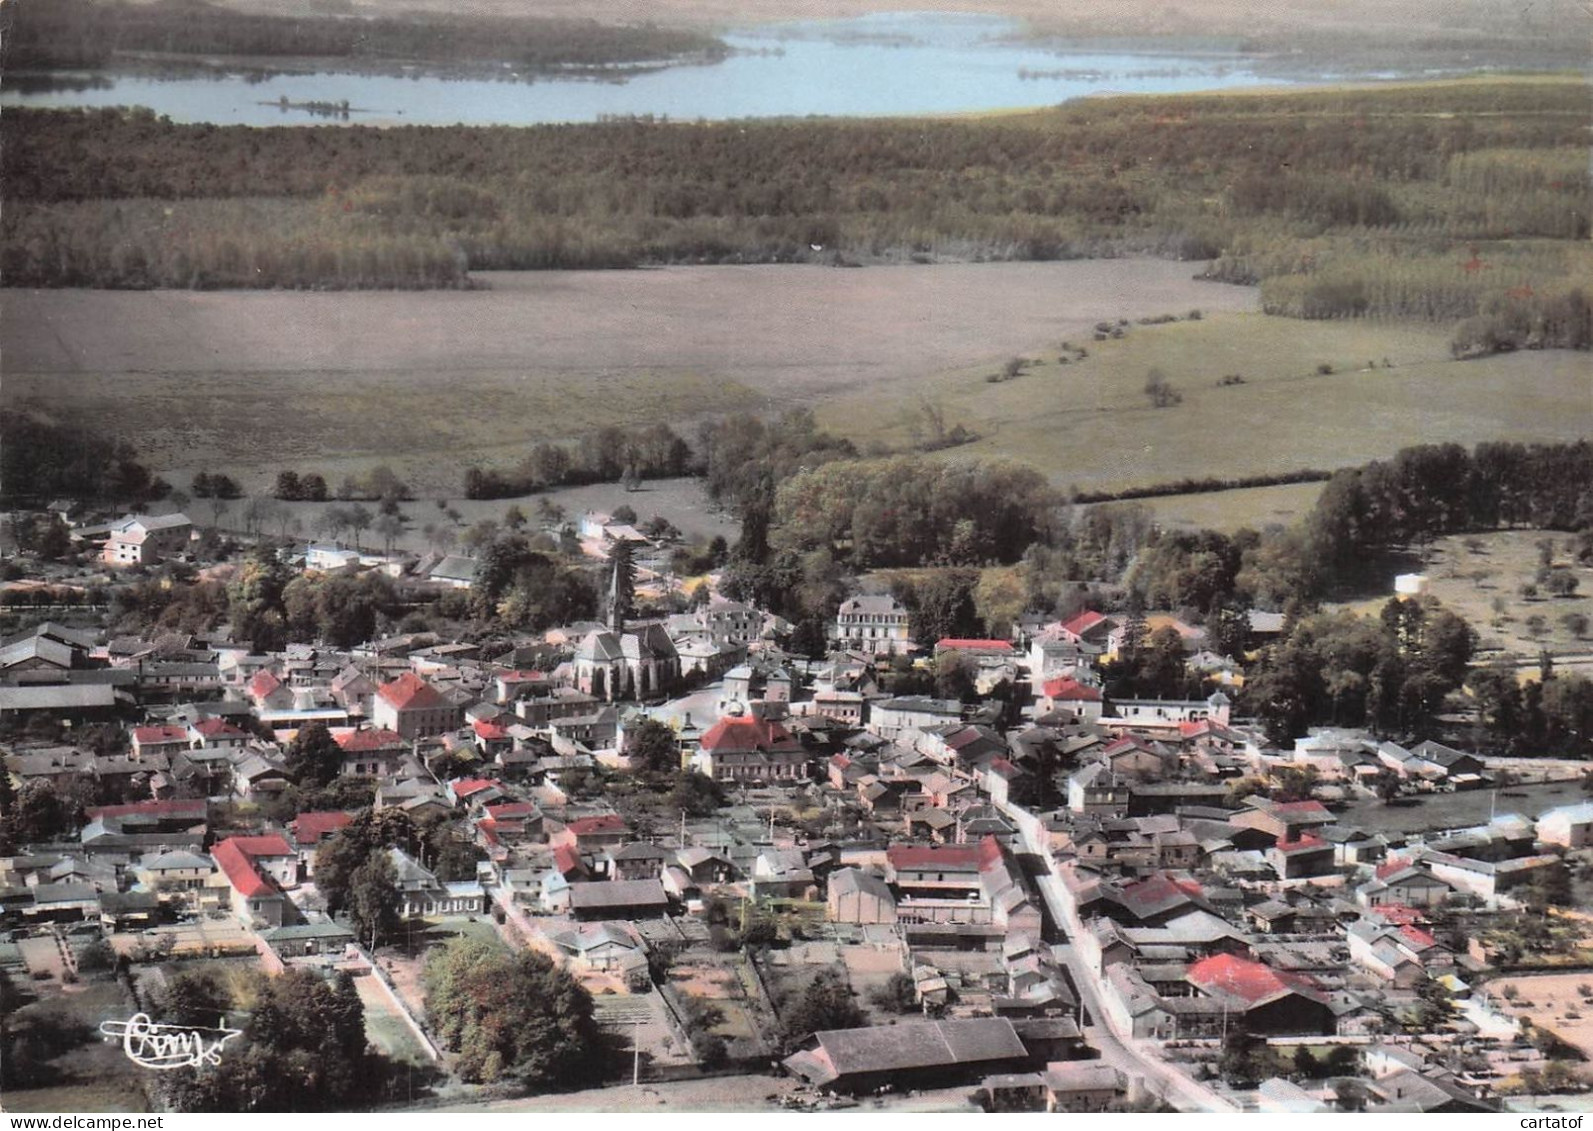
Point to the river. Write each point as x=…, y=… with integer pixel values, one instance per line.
x=879, y=65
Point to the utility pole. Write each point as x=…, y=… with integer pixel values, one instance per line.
x=636, y=1050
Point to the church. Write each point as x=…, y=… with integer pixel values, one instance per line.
x=613, y=664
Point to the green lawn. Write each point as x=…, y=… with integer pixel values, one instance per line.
x=1089, y=424
x=1227, y=511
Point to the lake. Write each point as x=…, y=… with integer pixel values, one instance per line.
x=880, y=65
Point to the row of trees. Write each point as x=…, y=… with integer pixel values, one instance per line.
x=1431, y=490
x=1551, y=715
x=909, y=511
x=606, y=455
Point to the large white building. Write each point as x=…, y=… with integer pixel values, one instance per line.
x=873, y=624
x=142, y=539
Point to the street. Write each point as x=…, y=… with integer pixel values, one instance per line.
x=1139, y=1060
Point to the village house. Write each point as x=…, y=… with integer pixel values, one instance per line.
x=873, y=624
x=1569, y=826
x=932, y=1054
x=856, y=896
x=413, y=708
x=371, y=752
x=749, y=748
x=421, y=894
x=142, y=539
x=893, y=719
x=254, y=880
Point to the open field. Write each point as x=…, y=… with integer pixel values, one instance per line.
x=1555, y=1002
x=252, y=382
x=1227, y=511
x=1481, y=577
x=1089, y=423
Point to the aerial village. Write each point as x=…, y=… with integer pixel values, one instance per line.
x=1034, y=894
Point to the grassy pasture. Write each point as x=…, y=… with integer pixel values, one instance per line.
x=1227, y=511
x=1089, y=423
x=1481, y=577
x=250, y=382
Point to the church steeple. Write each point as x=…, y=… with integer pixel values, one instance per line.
x=616, y=602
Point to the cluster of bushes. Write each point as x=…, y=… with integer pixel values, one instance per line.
x=41, y=461
x=208, y=486
x=607, y=455
x=292, y=487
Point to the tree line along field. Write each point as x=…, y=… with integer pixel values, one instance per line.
x=1342, y=203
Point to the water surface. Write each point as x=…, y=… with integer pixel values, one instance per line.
x=890, y=64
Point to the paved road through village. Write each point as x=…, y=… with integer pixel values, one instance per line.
x=1121, y=1050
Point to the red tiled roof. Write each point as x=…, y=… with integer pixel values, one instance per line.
x=960, y=644
x=952, y=857
x=368, y=739
x=239, y=870
x=196, y=809
x=607, y=823
x=311, y=827
x=1144, y=897
x=410, y=692
x=219, y=728
x=466, y=787
x=1068, y=689
x=272, y=844
x=1304, y=844
x=263, y=683
x=1252, y=982
x=1417, y=936
x=748, y=733
x=147, y=735
x=1082, y=623
x=1003, y=768
x=522, y=676
x=1400, y=913
x=1393, y=864
x=511, y=809
x=989, y=852
x=566, y=859
x=490, y=731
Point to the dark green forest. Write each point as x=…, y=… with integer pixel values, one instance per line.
x=1444, y=202
x=50, y=34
